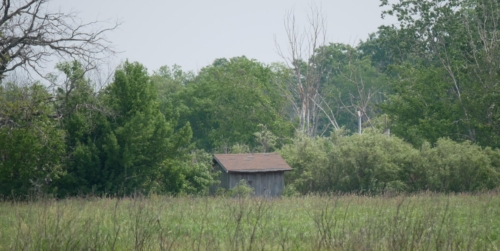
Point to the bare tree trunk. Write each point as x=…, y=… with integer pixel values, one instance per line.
x=304, y=59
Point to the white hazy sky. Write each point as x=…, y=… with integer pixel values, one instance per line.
x=192, y=33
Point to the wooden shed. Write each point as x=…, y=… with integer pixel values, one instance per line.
x=264, y=172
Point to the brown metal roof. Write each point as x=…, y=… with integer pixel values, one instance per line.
x=256, y=162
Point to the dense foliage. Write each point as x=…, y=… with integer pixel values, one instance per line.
x=375, y=163
x=414, y=107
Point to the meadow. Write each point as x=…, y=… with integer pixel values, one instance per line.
x=348, y=222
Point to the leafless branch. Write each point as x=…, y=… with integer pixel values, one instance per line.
x=30, y=36
x=305, y=61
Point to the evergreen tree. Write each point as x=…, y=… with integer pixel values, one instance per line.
x=140, y=143
x=126, y=145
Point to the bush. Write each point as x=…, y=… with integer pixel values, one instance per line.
x=460, y=167
x=307, y=157
x=241, y=190
x=290, y=191
x=370, y=163
x=375, y=163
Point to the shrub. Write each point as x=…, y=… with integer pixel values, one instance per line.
x=460, y=167
x=374, y=163
x=241, y=190
x=307, y=156
x=370, y=163
x=290, y=191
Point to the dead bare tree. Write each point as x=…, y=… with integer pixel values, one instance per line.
x=304, y=58
x=31, y=35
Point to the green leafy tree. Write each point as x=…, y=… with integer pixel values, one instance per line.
x=122, y=143
x=229, y=99
x=83, y=118
x=31, y=145
x=266, y=140
x=450, y=52
x=170, y=81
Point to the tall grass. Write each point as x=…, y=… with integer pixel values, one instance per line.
x=419, y=222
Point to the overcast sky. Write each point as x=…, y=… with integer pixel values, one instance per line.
x=192, y=33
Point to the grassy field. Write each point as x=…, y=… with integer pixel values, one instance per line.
x=420, y=222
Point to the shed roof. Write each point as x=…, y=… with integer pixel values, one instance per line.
x=256, y=162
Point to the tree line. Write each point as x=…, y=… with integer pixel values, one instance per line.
x=425, y=90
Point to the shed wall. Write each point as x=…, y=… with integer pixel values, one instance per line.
x=223, y=178
x=263, y=183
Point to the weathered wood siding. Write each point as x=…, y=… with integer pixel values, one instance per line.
x=223, y=179
x=263, y=183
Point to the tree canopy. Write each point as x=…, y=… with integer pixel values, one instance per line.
x=413, y=107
